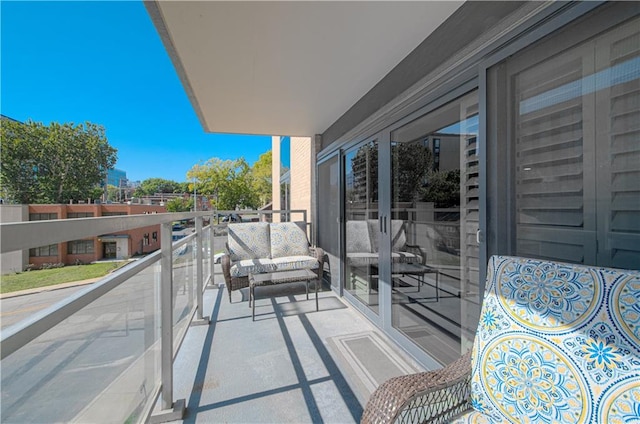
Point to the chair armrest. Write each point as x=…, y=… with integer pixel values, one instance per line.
x=417, y=250
x=433, y=396
x=318, y=253
x=225, y=262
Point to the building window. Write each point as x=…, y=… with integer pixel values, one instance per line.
x=145, y=239
x=79, y=247
x=154, y=236
x=51, y=250
x=72, y=215
x=113, y=213
x=42, y=216
x=574, y=177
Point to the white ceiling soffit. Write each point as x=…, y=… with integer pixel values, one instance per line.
x=288, y=68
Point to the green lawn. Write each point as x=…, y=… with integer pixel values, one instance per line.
x=50, y=277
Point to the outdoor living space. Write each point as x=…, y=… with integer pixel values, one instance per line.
x=292, y=364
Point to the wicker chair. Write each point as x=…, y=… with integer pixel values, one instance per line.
x=555, y=343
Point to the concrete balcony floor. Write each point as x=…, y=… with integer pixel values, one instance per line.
x=292, y=365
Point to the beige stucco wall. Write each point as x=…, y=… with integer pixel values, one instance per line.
x=301, y=175
x=275, y=176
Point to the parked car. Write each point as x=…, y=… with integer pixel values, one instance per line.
x=234, y=217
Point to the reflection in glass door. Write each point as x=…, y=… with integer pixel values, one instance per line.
x=361, y=221
x=434, y=220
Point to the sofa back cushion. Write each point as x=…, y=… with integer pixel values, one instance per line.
x=398, y=236
x=358, y=240
x=248, y=240
x=557, y=343
x=288, y=239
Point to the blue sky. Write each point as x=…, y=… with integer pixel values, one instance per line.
x=104, y=62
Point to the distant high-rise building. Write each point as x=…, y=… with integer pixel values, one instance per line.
x=116, y=177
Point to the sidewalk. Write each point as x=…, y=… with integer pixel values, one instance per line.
x=49, y=288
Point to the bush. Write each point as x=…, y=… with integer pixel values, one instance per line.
x=48, y=265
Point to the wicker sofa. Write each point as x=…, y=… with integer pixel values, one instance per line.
x=257, y=247
x=555, y=343
x=362, y=244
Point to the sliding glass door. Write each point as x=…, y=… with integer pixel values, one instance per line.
x=361, y=224
x=433, y=226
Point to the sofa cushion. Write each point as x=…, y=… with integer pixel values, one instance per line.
x=398, y=236
x=245, y=267
x=358, y=240
x=405, y=257
x=362, y=259
x=288, y=239
x=288, y=263
x=249, y=240
x=557, y=343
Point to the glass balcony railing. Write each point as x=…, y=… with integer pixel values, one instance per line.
x=108, y=349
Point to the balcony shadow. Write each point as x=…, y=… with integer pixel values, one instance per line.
x=310, y=388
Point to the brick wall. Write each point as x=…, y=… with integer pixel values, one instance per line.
x=135, y=238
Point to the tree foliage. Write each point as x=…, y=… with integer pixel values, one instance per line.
x=443, y=188
x=411, y=164
x=262, y=177
x=152, y=186
x=179, y=204
x=55, y=163
x=230, y=183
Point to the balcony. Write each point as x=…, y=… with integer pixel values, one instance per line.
x=161, y=333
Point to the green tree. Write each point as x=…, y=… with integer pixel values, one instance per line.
x=262, y=174
x=179, y=204
x=55, y=163
x=228, y=182
x=112, y=193
x=152, y=186
x=443, y=188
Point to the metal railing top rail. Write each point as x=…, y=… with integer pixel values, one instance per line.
x=28, y=234
x=25, y=235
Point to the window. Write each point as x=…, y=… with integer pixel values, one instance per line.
x=575, y=158
x=51, y=250
x=78, y=247
x=154, y=236
x=113, y=213
x=145, y=239
x=72, y=215
x=42, y=216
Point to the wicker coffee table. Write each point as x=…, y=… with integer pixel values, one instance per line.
x=279, y=277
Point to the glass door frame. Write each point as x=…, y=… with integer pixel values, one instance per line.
x=377, y=318
x=383, y=137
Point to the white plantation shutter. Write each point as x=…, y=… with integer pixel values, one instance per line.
x=618, y=154
x=551, y=158
x=469, y=221
x=576, y=152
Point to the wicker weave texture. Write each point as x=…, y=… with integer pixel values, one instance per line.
x=237, y=283
x=433, y=396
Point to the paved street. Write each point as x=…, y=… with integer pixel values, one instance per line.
x=95, y=349
x=15, y=309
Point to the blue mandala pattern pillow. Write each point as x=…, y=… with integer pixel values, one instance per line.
x=557, y=343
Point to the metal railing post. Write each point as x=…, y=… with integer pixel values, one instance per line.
x=170, y=411
x=212, y=262
x=200, y=319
